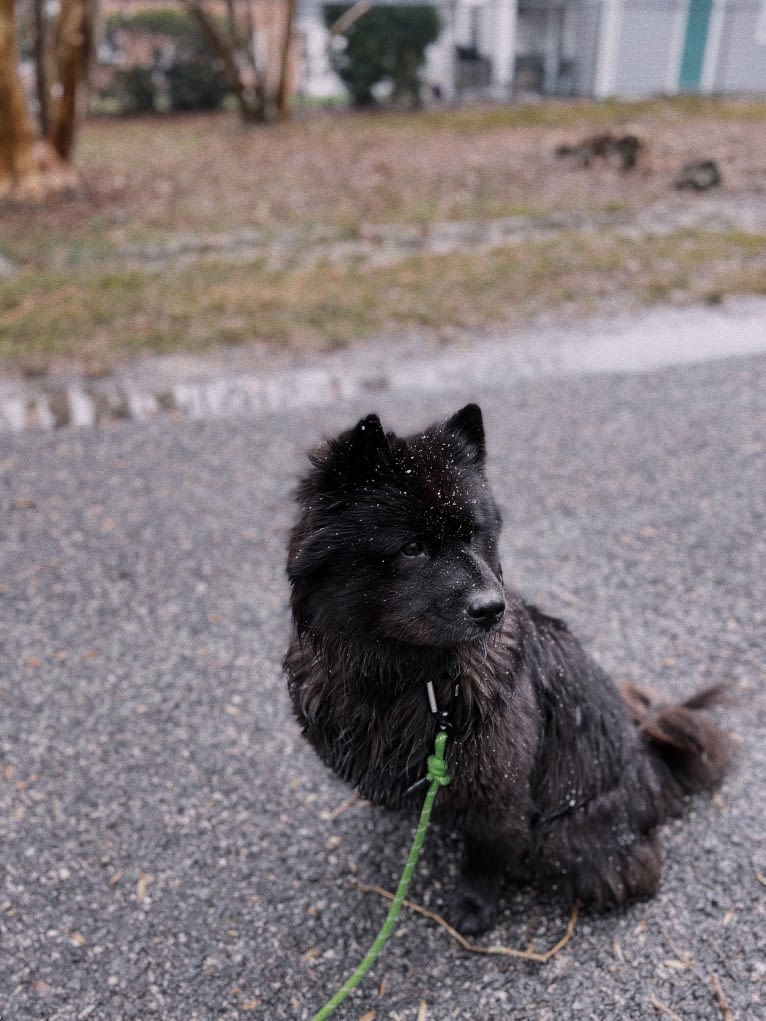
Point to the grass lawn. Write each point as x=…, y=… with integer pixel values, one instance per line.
x=217, y=200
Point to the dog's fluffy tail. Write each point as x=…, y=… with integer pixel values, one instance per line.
x=691, y=754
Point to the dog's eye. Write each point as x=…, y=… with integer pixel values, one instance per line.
x=413, y=548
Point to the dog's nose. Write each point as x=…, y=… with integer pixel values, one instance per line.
x=486, y=608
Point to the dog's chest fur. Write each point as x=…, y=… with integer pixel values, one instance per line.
x=369, y=720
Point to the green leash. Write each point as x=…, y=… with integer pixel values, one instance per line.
x=437, y=777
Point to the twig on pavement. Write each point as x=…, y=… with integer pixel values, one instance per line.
x=524, y=955
x=664, y=1009
x=723, y=1003
x=328, y=816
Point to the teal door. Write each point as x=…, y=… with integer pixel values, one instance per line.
x=695, y=41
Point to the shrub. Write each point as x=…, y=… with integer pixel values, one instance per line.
x=183, y=74
x=385, y=44
x=195, y=82
x=159, y=21
x=134, y=89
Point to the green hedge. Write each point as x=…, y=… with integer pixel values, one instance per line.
x=387, y=43
x=193, y=81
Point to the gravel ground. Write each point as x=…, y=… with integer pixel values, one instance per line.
x=173, y=850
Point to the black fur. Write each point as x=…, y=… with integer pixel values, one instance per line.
x=396, y=581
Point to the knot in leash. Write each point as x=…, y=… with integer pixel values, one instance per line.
x=437, y=767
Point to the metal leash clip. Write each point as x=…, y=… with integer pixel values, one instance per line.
x=443, y=716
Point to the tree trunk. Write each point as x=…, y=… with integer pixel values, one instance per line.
x=284, y=69
x=29, y=168
x=17, y=164
x=41, y=65
x=74, y=46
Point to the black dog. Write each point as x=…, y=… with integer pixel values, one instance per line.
x=396, y=582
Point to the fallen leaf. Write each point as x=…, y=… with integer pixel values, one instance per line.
x=143, y=886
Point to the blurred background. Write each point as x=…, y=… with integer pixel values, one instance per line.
x=260, y=179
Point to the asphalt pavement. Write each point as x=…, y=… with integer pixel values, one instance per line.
x=172, y=849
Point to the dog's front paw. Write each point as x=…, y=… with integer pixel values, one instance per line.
x=472, y=914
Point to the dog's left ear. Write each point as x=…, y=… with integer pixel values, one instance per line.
x=367, y=436
x=359, y=451
x=469, y=425
x=353, y=457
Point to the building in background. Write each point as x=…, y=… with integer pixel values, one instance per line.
x=624, y=48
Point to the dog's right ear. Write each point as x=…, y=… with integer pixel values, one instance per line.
x=468, y=424
x=356, y=455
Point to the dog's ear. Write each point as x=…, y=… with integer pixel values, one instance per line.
x=468, y=424
x=366, y=436
x=354, y=456
x=357, y=450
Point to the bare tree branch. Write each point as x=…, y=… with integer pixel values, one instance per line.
x=251, y=99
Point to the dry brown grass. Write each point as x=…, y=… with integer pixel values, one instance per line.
x=153, y=181
x=106, y=314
